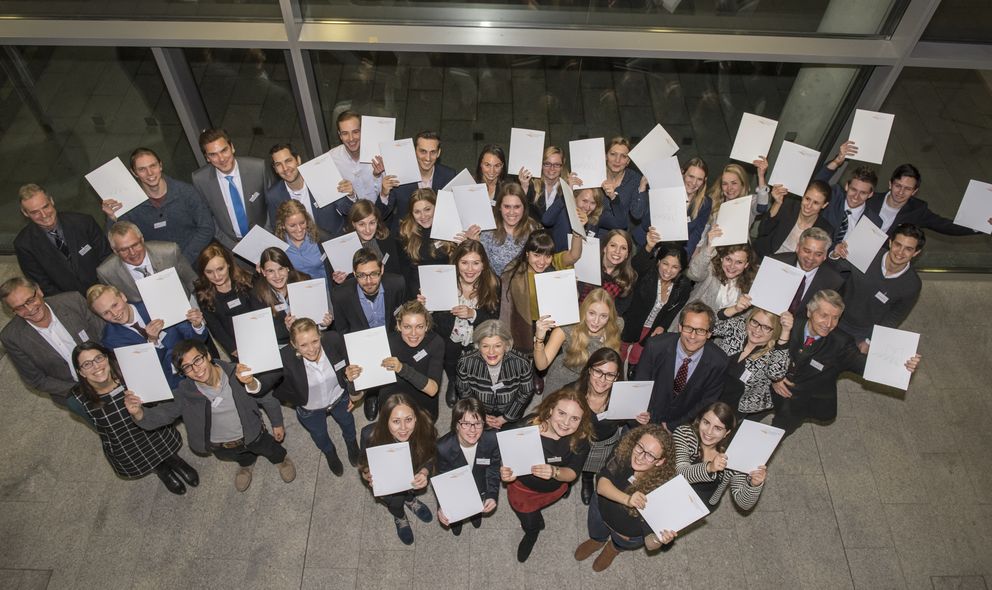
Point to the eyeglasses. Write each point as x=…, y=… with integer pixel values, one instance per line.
x=759, y=326
x=689, y=330
x=470, y=425
x=198, y=361
x=643, y=454
x=130, y=248
x=603, y=374
x=28, y=303
x=97, y=360
x=552, y=165
x=361, y=276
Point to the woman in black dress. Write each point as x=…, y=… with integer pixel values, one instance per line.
x=223, y=290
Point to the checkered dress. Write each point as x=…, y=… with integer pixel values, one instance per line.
x=130, y=450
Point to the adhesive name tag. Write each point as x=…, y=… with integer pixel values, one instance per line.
x=83, y=335
x=217, y=401
x=160, y=224
x=482, y=461
x=253, y=197
x=816, y=364
x=85, y=249
x=339, y=365
x=280, y=307
x=233, y=303
x=385, y=258
x=420, y=355
x=554, y=460
x=882, y=297
x=745, y=376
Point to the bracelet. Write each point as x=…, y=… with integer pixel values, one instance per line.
x=554, y=474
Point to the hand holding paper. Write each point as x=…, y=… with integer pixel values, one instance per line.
x=114, y=181
x=557, y=296
x=775, y=285
x=888, y=355
x=752, y=446
x=391, y=468
x=520, y=449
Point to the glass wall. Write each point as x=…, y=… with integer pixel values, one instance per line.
x=961, y=21
x=144, y=10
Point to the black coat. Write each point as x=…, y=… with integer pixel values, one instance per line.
x=703, y=387
x=348, y=313
x=487, y=461
x=295, y=389
x=644, y=294
x=42, y=262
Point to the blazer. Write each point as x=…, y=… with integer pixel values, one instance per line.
x=616, y=212
x=329, y=218
x=703, y=387
x=772, y=231
x=487, y=461
x=348, y=313
x=917, y=212
x=256, y=174
x=42, y=262
x=553, y=218
x=294, y=388
x=769, y=367
x=826, y=276
x=162, y=255
x=39, y=365
x=399, y=197
x=511, y=394
x=645, y=293
x=834, y=212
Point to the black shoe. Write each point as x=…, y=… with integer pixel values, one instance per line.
x=456, y=529
x=420, y=510
x=586, y=494
x=568, y=490
x=171, y=482
x=449, y=395
x=183, y=470
x=403, y=530
x=477, y=521
x=334, y=463
x=371, y=407
x=526, y=545
x=353, y=454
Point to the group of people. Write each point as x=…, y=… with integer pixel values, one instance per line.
x=675, y=314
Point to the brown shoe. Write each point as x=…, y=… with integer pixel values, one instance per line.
x=287, y=471
x=652, y=542
x=242, y=479
x=604, y=559
x=587, y=548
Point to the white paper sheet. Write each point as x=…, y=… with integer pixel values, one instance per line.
x=367, y=349
x=570, y=210
x=734, y=218
x=775, y=285
x=255, y=337
x=461, y=179
x=673, y=506
x=668, y=213
x=588, y=157
x=656, y=147
x=752, y=446
x=322, y=178
x=520, y=449
x=628, y=399
x=754, y=138
x=400, y=160
x=375, y=130
x=794, y=167
x=164, y=296
x=258, y=239
x=447, y=223
x=308, y=299
x=976, y=207
x=457, y=493
x=526, y=151
x=439, y=284
x=557, y=296
x=588, y=268
x=341, y=251
x=887, y=356
x=391, y=467
x=142, y=372
x=863, y=243
x=474, y=207
x=114, y=181
x=870, y=134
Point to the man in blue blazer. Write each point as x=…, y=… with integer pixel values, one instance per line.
x=395, y=200
x=286, y=163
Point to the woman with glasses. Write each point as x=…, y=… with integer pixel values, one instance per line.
x=757, y=344
x=223, y=290
x=469, y=443
x=365, y=220
x=545, y=195
x=496, y=374
x=131, y=451
x=271, y=290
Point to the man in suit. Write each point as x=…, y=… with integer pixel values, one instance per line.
x=365, y=178
x=686, y=368
x=233, y=187
x=809, y=257
x=59, y=251
x=286, y=162
x=787, y=218
x=41, y=336
x=847, y=203
x=134, y=258
x=394, y=202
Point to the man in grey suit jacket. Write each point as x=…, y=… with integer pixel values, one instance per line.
x=134, y=258
x=40, y=337
x=234, y=188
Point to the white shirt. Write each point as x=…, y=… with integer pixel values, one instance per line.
x=58, y=338
x=809, y=278
x=791, y=240
x=853, y=217
x=323, y=383
x=885, y=273
x=888, y=215
x=302, y=195
x=469, y=453
x=429, y=182
x=135, y=273
x=359, y=173
x=225, y=190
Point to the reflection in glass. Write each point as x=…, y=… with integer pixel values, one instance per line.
x=961, y=21
x=213, y=10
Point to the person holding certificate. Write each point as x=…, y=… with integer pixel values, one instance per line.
x=589, y=208
x=365, y=220
x=223, y=290
x=698, y=207
x=780, y=230
x=618, y=275
x=415, y=237
x=469, y=443
x=722, y=273
x=131, y=451
x=641, y=463
x=297, y=228
x=565, y=426
x=733, y=184
x=402, y=421
x=700, y=456
x=621, y=187
x=417, y=358
x=547, y=201
x=491, y=169
x=513, y=226
x=499, y=376
x=275, y=273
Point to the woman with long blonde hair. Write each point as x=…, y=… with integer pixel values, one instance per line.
x=546, y=197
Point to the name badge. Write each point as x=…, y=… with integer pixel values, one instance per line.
x=631, y=478
x=688, y=219
x=882, y=297
x=482, y=461
x=816, y=364
x=498, y=386
x=323, y=257
x=746, y=376
x=420, y=355
x=280, y=307
x=83, y=335
x=216, y=402
x=160, y=224
x=252, y=198
x=554, y=459
x=85, y=249
x=233, y=303
x=385, y=258
x=601, y=416
x=339, y=366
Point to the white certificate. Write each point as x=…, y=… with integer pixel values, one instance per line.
x=863, y=243
x=322, y=177
x=308, y=299
x=520, y=449
x=255, y=337
x=375, y=130
x=258, y=239
x=673, y=506
x=114, y=181
x=887, y=356
x=628, y=399
x=474, y=207
x=447, y=223
x=587, y=268
x=461, y=179
x=668, y=213
x=752, y=446
x=341, y=251
x=754, y=138
x=589, y=160
x=526, y=151
x=367, y=349
x=400, y=160
x=557, y=296
x=794, y=167
x=870, y=134
x=391, y=467
x=142, y=372
x=457, y=493
x=734, y=218
x=976, y=207
x=164, y=296
x=439, y=284
x=573, y=214
x=656, y=147
x=775, y=285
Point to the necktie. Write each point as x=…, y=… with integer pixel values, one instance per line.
x=681, y=376
x=239, y=207
x=842, y=230
x=809, y=340
x=60, y=243
x=797, y=301
x=143, y=270
x=137, y=328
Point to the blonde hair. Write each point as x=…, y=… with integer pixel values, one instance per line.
x=94, y=292
x=776, y=332
x=288, y=209
x=716, y=190
x=598, y=197
x=537, y=180
x=577, y=347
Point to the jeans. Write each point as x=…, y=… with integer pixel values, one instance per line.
x=315, y=422
x=246, y=455
x=600, y=531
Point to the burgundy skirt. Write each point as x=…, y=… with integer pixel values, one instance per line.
x=525, y=500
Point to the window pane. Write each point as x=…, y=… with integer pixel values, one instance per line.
x=961, y=21
x=145, y=9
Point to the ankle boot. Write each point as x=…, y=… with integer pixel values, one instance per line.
x=587, y=477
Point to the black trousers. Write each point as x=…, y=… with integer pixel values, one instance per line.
x=245, y=455
x=394, y=502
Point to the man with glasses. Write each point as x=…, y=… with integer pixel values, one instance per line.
x=39, y=339
x=687, y=369
x=900, y=206
x=395, y=203
x=365, y=178
x=134, y=258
